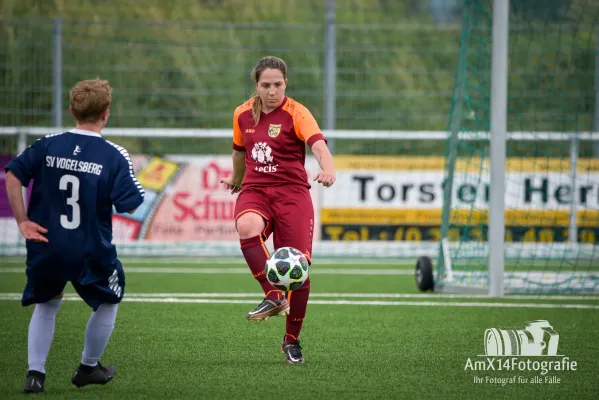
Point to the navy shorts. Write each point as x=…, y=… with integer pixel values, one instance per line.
x=95, y=290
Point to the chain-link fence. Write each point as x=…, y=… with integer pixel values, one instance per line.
x=193, y=75
x=363, y=65
x=388, y=62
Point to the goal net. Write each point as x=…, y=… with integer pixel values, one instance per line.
x=552, y=169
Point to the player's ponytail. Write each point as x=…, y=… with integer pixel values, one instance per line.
x=256, y=108
x=269, y=62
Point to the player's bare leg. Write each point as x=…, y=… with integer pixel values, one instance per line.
x=250, y=226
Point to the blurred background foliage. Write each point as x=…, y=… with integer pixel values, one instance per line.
x=186, y=64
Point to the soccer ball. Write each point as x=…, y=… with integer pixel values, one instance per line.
x=287, y=269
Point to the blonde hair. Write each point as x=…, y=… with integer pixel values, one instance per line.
x=269, y=62
x=90, y=98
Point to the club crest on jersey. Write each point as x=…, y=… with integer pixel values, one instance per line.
x=274, y=130
x=77, y=150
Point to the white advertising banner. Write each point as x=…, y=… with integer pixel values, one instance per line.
x=424, y=190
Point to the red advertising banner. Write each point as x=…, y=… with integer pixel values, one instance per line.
x=184, y=201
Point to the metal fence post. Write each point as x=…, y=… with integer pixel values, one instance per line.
x=573, y=230
x=595, y=144
x=330, y=70
x=499, y=99
x=21, y=146
x=57, y=74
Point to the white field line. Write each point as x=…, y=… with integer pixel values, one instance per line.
x=237, y=271
x=199, y=270
x=238, y=261
x=176, y=298
x=351, y=295
x=318, y=271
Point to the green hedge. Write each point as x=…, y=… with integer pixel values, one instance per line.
x=395, y=68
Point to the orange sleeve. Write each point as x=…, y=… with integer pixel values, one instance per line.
x=306, y=127
x=237, y=135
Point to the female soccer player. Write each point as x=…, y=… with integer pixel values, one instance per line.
x=270, y=133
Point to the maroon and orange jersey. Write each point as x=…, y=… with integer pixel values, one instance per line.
x=276, y=147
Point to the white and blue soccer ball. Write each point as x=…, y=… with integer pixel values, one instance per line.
x=287, y=269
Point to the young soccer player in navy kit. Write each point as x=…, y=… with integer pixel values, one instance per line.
x=77, y=179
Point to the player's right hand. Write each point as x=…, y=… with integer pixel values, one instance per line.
x=232, y=186
x=32, y=231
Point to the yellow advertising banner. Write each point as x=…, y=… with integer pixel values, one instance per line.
x=402, y=198
x=157, y=173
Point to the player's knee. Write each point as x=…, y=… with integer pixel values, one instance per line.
x=250, y=225
x=306, y=285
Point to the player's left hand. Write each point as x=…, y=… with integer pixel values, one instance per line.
x=326, y=178
x=234, y=187
x=32, y=231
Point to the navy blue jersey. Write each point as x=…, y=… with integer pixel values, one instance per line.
x=77, y=179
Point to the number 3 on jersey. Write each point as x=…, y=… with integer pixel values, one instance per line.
x=71, y=201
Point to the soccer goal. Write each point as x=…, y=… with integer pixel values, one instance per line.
x=518, y=207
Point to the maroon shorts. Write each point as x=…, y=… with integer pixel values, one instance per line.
x=287, y=211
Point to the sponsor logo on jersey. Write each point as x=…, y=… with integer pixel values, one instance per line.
x=262, y=153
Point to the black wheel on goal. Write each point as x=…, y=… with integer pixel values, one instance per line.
x=424, y=274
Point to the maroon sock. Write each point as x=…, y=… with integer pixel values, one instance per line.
x=298, y=300
x=255, y=253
